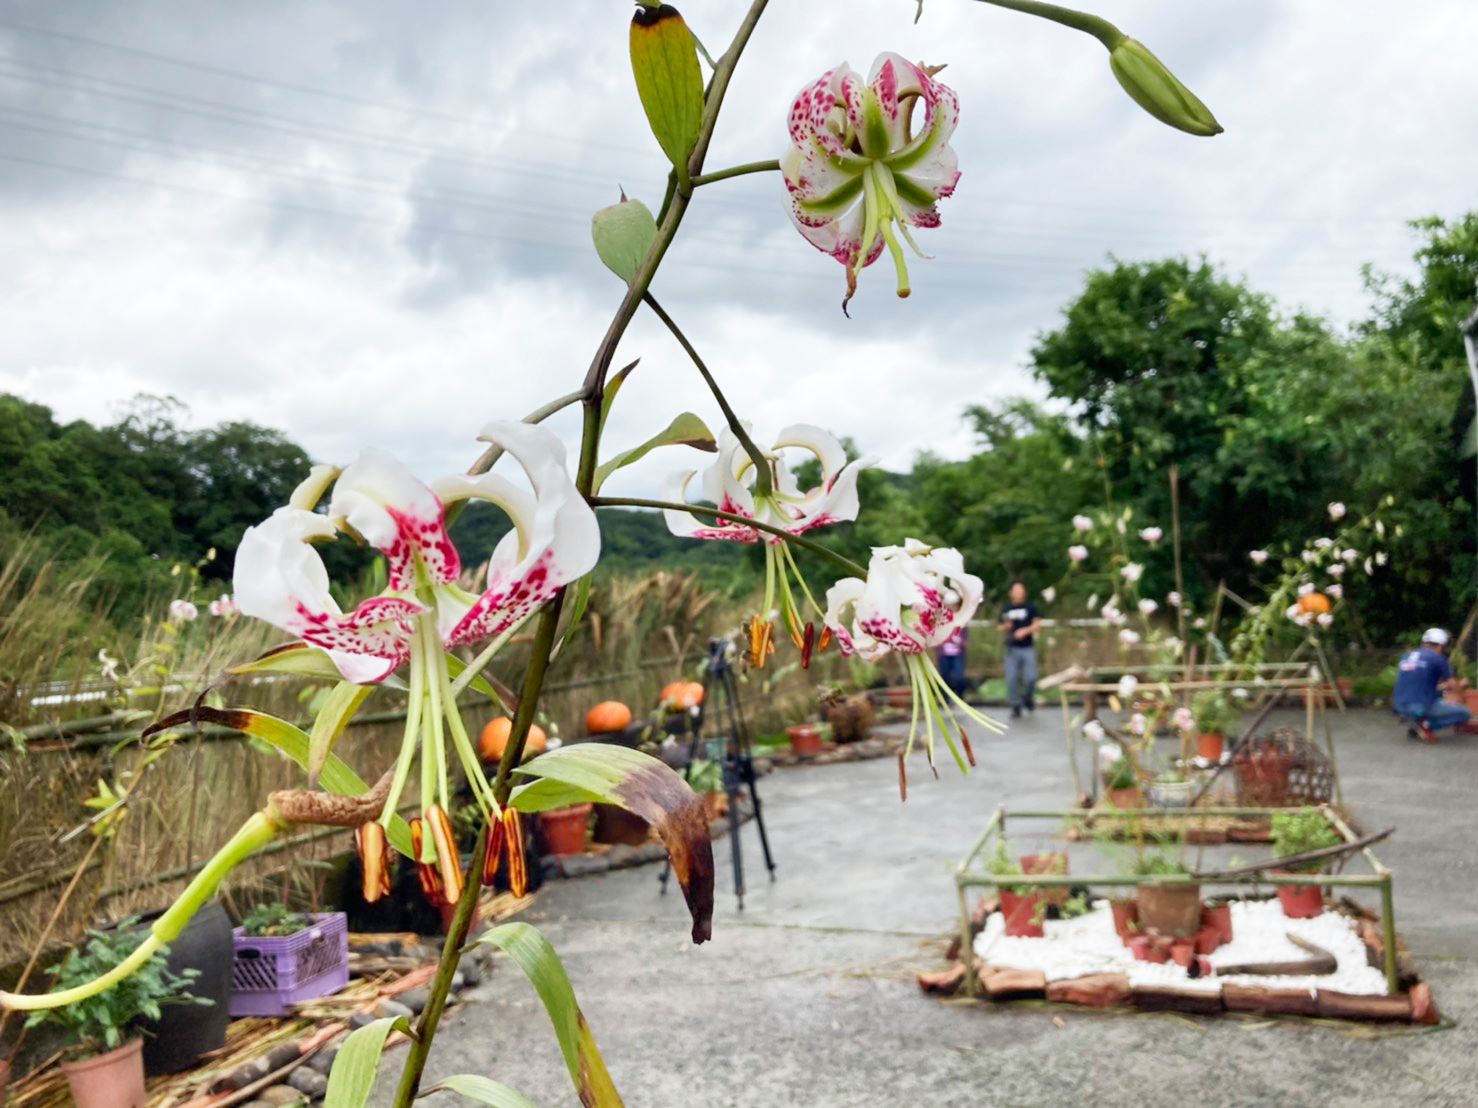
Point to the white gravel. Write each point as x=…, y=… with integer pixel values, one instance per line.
x=1088, y=944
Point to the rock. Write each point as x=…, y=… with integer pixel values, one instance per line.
x=415, y=999
x=1013, y=984
x=1283, y=1002
x=459, y=981
x=361, y=1019
x=1157, y=999
x=392, y=1009
x=258, y=1068
x=1423, y=1007
x=281, y=1095
x=323, y=1061
x=1348, y=1006
x=1097, y=990
x=579, y=865
x=471, y=970
x=309, y=1082
x=943, y=981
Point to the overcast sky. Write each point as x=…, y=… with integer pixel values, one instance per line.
x=368, y=222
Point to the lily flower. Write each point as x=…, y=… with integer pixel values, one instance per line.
x=1336, y=511
x=915, y=597
x=1148, y=607
x=1131, y=572
x=861, y=170
x=1151, y=535
x=1128, y=637
x=1082, y=524
x=1093, y=731
x=1077, y=553
x=1183, y=719
x=1258, y=556
x=182, y=611
x=223, y=606
x=729, y=484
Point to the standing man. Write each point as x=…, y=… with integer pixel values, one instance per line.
x=1019, y=622
x=1422, y=676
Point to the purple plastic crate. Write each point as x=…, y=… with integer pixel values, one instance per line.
x=269, y=973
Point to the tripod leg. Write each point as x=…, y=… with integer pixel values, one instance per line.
x=759, y=818
x=731, y=786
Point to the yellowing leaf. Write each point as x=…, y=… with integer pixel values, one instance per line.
x=664, y=60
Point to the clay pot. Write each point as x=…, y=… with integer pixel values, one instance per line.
x=1218, y=916
x=111, y=1080
x=1262, y=777
x=1300, y=901
x=1126, y=914
x=1182, y=953
x=1210, y=745
x=1139, y=946
x=1048, y=862
x=1023, y=914
x=1170, y=909
x=563, y=830
x=617, y=826
x=1124, y=799
x=805, y=740
x=1207, y=939
x=897, y=696
x=1157, y=951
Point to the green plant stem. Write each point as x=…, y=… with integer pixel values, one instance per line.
x=590, y=395
x=773, y=165
x=764, y=483
x=1101, y=29
x=840, y=560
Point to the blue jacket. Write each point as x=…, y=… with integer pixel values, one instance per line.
x=1419, y=673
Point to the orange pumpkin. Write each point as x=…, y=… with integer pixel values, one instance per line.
x=494, y=739
x=1315, y=603
x=607, y=716
x=693, y=693
x=682, y=695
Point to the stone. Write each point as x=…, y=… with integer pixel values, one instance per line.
x=1282, y=1002
x=415, y=999
x=309, y=1082
x=1423, y=1007
x=1014, y=984
x=1097, y=990
x=472, y=971
x=392, y=1009
x=1157, y=999
x=580, y=865
x=1348, y=1006
x=280, y=1095
x=323, y=1061
x=361, y=1019
x=943, y=981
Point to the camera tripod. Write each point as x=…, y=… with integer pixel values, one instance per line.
x=721, y=697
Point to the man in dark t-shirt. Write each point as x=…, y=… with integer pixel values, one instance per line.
x=1422, y=676
x=1020, y=622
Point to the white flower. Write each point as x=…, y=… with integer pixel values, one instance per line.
x=1240, y=694
x=1132, y=572
x=1148, y=607
x=1093, y=730
x=1325, y=618
x=1111, y=613
x=1337, y=569
x=1323, y=543
x=1369, y=567
x=1258, y=556
x=1380, y=528
x=182, y=611
x=903, y=605
x=1171, y=644
x=1077, y=553
x=1381, y=557
x=1350, y=555
x=1310, y=556
x=1336, y=511
x=1049, y=594
x=1184, y=720
x=1082, y=523
x=109, y=665
x=1120, y=527
x=1335, y=590
x=1127, y=684
x=1305, y=589
x=1128, y=637
x=1200, y=623
x=1293, y=612
x=223, y=606
x=1174, y=599
x=1138, y=724
x=1151, y=534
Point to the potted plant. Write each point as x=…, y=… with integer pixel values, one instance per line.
x=1050, y=863
x=1121, y=787
x=283, y=957
x=1214, y=715
x=1299, y=832
x=105, y=1067
x=805, y=740
x=1171, y=909
x=564, y=830
x=1170, y=790
x=1022, y=907
x=1217, y=915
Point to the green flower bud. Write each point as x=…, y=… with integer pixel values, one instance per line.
x=623, y=234
x=1156, y=90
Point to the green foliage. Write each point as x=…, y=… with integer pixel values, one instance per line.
x=1297, y=832
x=274, y=919
x=706, y=777
x=105, y=1021
x=1214, y=712
x=1121, y=774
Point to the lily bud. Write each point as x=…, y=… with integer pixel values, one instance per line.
x=1158, y=91
x=448, y=860
x=518, y=871
x=808, y=643
x=374, y=860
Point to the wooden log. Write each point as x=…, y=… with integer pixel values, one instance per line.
x=1205, y=836
x=1283, y=1002
x=1014, y=984
x=1347, y=1006
x=1155, y=998
x=1243, y=833
x=1097, y=990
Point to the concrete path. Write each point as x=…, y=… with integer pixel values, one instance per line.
x=806, y=998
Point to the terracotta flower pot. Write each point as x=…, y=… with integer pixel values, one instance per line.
x=1124, y=799
x=1470, y=700
x=562, y=831
x=1218, y=916
x=1156, y=952
x=1139, y=946
x=1210, y=744
x=1208, y=938
x=1047, y=862
x=1126, y=915
x=1182, y=953
x=111, y=1080
x=805, y=740
x=1170, y=909
x=1023, y=914
x=1300, y=901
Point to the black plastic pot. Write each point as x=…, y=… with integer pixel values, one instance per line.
x=187, y=1031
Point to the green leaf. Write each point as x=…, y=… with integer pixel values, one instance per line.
x=336, y=776
x=644, y=786
x=685, y=430
x=303, y=660
x=664, y=60
x=333, y=716
x=484, y=1090
x=499, y=694
x=623, y=234
x=531, y=951
x=353, y=1075
x=613, y=388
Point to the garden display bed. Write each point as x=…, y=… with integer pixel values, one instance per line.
x=832, y=753
x=1340, y=962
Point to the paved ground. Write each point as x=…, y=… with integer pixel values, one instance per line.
x=806, y=998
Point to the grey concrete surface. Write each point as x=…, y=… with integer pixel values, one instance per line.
x=806, y=997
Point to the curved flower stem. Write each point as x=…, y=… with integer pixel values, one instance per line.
x=764, y=483
x=773, y=165
x=840, y=560
x=1101, y=29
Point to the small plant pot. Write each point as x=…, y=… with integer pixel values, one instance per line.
x=1023, y=914
x=1170, y=909
x=805, y=740
x=1048, y=862
x=1208, y=938
x=1139, y=946
x=1470, y=700
x=111, y=1080
x=1300, y=901
x=1126, y=918
x=1218, y=916
x=1183, y=952
x=1125, y=799
x=1156, y=952
x=1170, y=794
x=563, y=831
x=897, y=696
x=1210, y=745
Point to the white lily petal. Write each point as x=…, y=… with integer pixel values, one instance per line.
x=399, y=516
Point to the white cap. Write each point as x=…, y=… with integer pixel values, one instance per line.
x=1437, y=636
